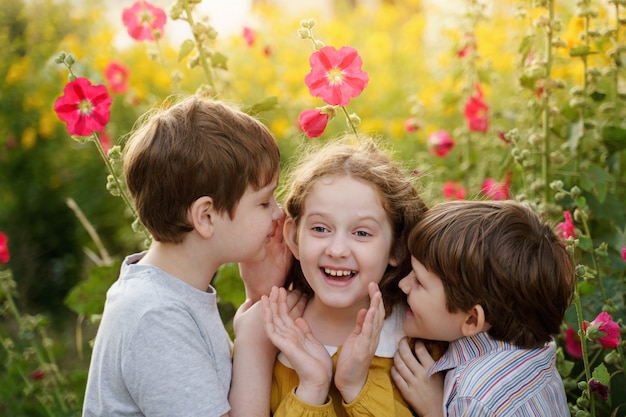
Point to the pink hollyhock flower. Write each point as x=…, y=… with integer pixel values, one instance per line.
x=453, y=190
x=477, y=112
x=336, y=75
x=117, y=77
x=85, y=108
x=5, y=256
x=495, y=190
x=572, y=343
x=248, y=36
x=608, y=326
x=37, y=375
x=624, y=253
x=440, y=143
x=313, y=122
x=411, y=124
x=567, y=227
x=503, y=137
x=143, y=21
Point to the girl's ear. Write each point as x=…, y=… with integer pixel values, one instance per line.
x=475, y=322
x=290, y=234
x=394, y=255
x=202, y=216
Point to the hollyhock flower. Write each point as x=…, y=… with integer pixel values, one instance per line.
x=117, y=77
x=5, y=256
x=440, y=143
x=605, y=324
x=599, y=388
x=336, y=75
x=567, y=227
x=313, y=122
x=572, y=343
x=495, y=190
x=477, y=112
x=502, y=136
x=624, y=253
x=143, y=21
x=453, y=190
x=85, y=108
x=248, y=36
x=411, y=124
x=37, y=375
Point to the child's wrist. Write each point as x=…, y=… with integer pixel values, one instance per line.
x=313, y=394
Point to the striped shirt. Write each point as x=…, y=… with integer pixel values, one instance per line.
x=487, y=377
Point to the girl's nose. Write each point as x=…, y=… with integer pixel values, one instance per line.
x=337, y=247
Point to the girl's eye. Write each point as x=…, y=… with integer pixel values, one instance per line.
x=362, y=233
x=319, y=229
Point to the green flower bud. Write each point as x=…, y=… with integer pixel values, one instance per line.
x=304, y=33
x=582, y=385
x=319, y=45
x=115, y=153
x=354, y=119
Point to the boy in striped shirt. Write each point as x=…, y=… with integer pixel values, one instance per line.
x=494, y=281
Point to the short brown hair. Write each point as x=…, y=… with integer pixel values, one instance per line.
x=502, y=256
x=197, y=147
x=367, y=160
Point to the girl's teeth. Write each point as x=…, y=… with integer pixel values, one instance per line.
x=335, y=273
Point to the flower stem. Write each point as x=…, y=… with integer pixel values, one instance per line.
x=208, y=73
x=583, y=344
x=545, y=157
x=349, y=120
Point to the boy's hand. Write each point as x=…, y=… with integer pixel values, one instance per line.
x=259, y=277
x=359, y=348
x=308, y=357
x=410, y=375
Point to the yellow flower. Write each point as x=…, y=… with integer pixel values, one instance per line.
x=18, y=70
x=29, y=138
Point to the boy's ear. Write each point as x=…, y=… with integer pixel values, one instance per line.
x=203, y=216
x=474, y=322
x=290, y=234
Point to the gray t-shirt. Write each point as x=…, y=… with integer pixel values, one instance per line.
x=161, y=349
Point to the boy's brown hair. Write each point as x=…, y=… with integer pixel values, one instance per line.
x=197, y=147
x=366, y=160
x=502, y=256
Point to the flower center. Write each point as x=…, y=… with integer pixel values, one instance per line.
x=146, y=18
x=335, y=76
x=85, y=107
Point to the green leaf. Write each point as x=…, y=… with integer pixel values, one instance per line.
x=218, y=60
x=186, y=47
x=268, y=103
x=614, y=138
x=585, y=243
x=580, y=50
x=586, y=288
x=88, y=296
x=565, y=368
x=576, y=131
x=601, y=374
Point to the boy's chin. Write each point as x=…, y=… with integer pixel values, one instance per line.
x=435, y=348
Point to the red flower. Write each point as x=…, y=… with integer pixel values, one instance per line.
x=411, y=124
x=599, y=388
x=567, y=227
x=313, y=122
x=476, y=112
x=440, y=143
x=143, y=21
x=105, y=141
x=502, y=136
x=248, y=36
x=5, y=256
x=608, y=326
x=336, y=75
x=85, y=108
x=624, y=253
x=117, y=77
x=495, y=190
x=453, y=190
x=37, y=375
x=572, y=343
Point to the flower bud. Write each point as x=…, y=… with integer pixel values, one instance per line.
x=304, y=33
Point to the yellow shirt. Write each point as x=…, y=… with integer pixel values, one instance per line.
x=378, y=398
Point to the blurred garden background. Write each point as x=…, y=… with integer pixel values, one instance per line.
x=521, y=99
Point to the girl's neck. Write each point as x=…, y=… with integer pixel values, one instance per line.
x=330, y=325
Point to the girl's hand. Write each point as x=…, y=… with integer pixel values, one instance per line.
x=308, y=357
x=359, y=348
x=410, y=374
